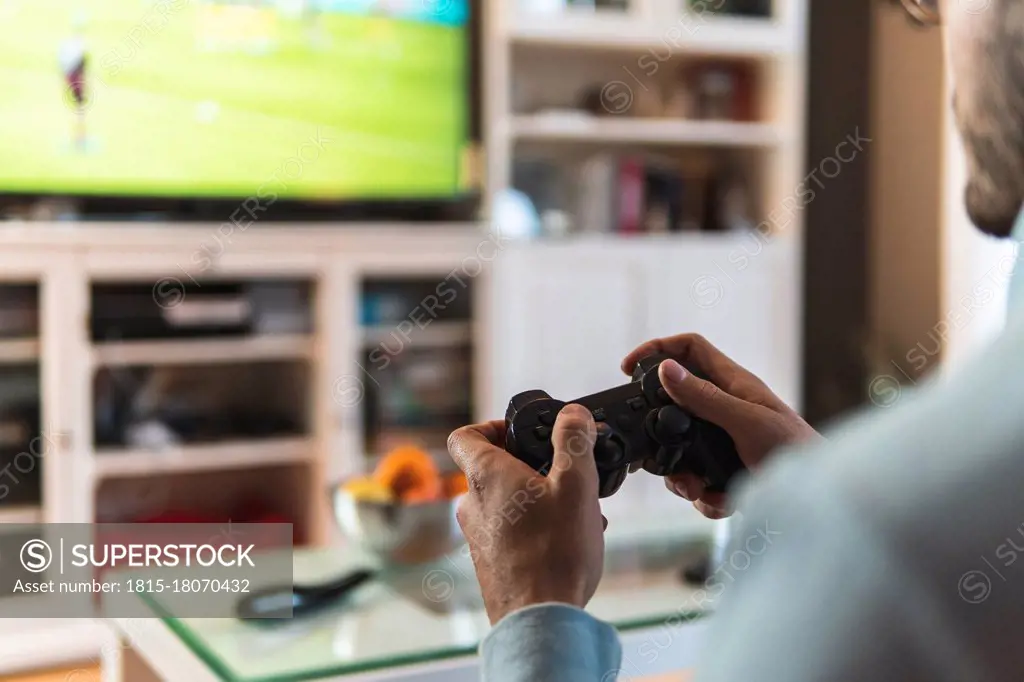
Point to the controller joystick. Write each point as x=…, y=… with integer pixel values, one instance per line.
x=669, y=425
x=636, y=424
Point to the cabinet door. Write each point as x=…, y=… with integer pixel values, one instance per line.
x=742, y=294
x=564, y=317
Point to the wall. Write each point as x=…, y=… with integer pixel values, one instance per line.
x=837, y=219
x=907, y=152
x=938, y=285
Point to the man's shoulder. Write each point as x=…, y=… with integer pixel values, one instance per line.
x=955, y=433
x=923, y=499
x=934, y=477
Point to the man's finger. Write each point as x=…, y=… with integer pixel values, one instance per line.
x=716, y=500
x=711, y=512
x=703, y=398
x=472, y=447
x=686, y=485
x=573, y=440
x=690, y=349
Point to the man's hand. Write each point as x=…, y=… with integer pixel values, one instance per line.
x=533, y=539
x=734, y=399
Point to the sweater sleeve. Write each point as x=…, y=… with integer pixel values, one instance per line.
x=550, y=643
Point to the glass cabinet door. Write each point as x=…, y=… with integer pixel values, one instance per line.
x=21, y=448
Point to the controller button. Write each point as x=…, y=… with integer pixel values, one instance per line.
x=600, y=415
x=542, y=432
x=611, y=457
x=636, y=404
x=546, y=417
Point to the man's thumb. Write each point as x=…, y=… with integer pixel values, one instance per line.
x=701, y=398
x=573, y=439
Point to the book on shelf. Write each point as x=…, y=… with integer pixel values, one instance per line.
x=636, y=195
x=631, y=196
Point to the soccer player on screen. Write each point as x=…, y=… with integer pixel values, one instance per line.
x=74, y=60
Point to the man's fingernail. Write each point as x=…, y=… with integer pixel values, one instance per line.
x=676, y=488
x=674, y=371
x=574, y=410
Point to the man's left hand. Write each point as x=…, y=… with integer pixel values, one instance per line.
x=533, y=539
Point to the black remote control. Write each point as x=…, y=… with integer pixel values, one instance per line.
x=637, y=423
x=297, y=601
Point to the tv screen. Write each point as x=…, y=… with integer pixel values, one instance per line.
x=299, y=99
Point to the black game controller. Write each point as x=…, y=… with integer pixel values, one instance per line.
x=636, y=423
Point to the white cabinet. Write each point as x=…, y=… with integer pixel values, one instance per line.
x=565, y=314
x=742, y=293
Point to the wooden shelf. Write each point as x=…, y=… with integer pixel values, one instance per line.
x=612, y=130
x=19, y=350
x=21, y=514
x=194, y=458
x=202, y=351
x=434, y=335
x=690, y=34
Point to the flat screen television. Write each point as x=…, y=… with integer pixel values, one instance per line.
x=316, y=100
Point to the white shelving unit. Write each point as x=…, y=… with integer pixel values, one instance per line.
x=79, y=478
x=334, y=260
x=531, y=48
x=571, y=308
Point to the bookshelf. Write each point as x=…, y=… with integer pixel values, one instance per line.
x=633, y=65
x=67, y=281
x=574, y=300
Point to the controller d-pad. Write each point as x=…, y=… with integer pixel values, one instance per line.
x=546, y=417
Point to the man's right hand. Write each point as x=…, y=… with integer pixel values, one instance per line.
x=734, y=399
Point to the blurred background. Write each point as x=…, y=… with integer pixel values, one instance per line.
x=260, y=257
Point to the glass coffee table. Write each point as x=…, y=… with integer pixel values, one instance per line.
x=426, y=624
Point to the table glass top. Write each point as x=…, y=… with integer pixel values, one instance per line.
x=431, y=612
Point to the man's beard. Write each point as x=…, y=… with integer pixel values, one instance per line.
x=995, y=183
x=989, y=108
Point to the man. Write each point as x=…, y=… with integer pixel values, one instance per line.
x=898, y=539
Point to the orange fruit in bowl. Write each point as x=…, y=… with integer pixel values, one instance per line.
x=411, y=475
x=367, y=489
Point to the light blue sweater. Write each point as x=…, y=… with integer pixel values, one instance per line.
x=897, y=559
